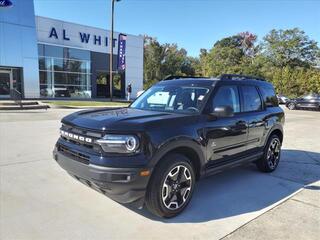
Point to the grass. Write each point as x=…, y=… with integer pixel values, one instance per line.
x=87, y=103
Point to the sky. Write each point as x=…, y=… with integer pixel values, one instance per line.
x=192, y=24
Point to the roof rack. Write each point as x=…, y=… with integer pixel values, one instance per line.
x=239, y=77
x=171, y=77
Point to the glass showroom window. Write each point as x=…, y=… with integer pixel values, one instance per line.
x=64, y=72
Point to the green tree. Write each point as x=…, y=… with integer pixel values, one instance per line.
x=229, y=55
x=161, y=60
x=290, y=47
x=153, y=55
x=287, y=58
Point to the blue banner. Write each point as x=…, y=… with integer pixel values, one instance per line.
x=122, y=52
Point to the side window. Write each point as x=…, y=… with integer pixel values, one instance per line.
x=251, y=99
x=227, y=96
x=310, y=97
x=269, y=96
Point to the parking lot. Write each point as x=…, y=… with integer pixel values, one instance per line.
x=39, y=200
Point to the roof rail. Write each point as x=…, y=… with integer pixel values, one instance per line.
x=171, y=77
x=239, y=77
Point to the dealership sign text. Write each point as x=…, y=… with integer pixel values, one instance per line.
x=84, y=37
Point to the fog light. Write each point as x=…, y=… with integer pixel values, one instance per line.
x=144, y=173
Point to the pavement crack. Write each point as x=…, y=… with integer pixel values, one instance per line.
x=300, y=162
x=287, y=179
x=275, y=206
x=310, y=156
x=18, y=163
x=309, y=204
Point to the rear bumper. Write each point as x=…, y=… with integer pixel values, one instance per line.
x=124, y=185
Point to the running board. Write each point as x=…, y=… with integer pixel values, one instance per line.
x=219, y=167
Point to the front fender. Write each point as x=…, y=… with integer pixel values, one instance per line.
x=177, y=142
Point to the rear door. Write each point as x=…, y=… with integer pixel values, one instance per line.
x=254, y=112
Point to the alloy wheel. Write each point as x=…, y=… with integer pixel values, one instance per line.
x=291, y=106
x=176, y=187
x=273, y=153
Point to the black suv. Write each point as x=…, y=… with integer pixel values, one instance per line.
x=176, y=132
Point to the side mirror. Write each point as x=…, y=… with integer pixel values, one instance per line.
x=223, y=111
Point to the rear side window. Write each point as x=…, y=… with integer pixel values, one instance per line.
x=227, y=96
x=251, y=99
x=269, y=96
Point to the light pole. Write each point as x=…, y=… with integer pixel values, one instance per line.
x=111, y=49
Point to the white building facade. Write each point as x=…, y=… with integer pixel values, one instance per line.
x=48, y=58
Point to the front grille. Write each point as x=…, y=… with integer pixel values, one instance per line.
x=74, y=155
x=80, y=136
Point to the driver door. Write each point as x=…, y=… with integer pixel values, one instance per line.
x=226, y=137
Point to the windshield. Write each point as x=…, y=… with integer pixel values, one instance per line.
x=180, y=99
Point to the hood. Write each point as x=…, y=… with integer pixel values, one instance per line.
x=116, y=119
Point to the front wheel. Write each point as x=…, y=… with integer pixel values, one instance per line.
x=271, y=156
x=291, y=106
x=171, y=186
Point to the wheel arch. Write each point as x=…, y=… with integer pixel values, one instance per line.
x=276, y=130
x=188, y=148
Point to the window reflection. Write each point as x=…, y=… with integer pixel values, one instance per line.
x=64, y=72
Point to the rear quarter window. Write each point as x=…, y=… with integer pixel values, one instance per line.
x=269, y=96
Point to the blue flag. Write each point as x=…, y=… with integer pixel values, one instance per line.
x=122, y=52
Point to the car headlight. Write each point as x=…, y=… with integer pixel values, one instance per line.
x=111, y=143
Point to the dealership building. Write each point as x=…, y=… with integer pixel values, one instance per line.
x=48, y=58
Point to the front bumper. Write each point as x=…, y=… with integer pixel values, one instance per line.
x=124, y=185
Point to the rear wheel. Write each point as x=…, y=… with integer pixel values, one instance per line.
x=271, y=156
x=171, y=186
x=291, y=106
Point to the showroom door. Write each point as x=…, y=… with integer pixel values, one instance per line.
x=5, y=83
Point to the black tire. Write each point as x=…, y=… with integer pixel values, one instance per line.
x=271, y=156
x=162, y=185
x=291, y=106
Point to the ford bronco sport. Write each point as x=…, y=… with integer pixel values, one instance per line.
x=176, y=132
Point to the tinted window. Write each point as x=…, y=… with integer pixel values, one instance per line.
x=40, y=49
x=53, y=51
x=269, y=96
x=251, y=99
x=227, y=96
x=79, y=54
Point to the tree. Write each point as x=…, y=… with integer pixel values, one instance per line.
x=248, y=40
x=161, y=60
x=229, y=55
x=290, y=47
x=153, y=55
x=287, y=58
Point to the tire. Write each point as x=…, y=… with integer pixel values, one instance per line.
x=271, y=156
x=291, y=106
x=168, y=195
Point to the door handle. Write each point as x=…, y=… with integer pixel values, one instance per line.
x=241, y=122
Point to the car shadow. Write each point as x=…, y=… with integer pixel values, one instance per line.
x=245, y=190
